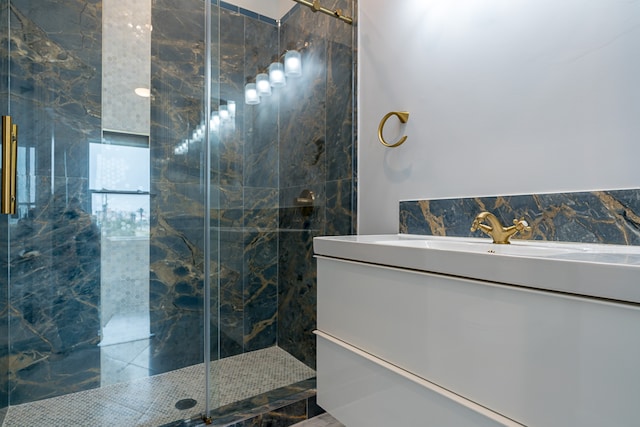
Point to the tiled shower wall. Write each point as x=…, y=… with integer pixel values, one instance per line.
x=177, y=199
x=248, y=202
x=299, y=139
x=54, y=244
x=317, y=152
x=611, y=217
x=4, y=267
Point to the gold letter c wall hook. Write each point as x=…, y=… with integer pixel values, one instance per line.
x=403, y=116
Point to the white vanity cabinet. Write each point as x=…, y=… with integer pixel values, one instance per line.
x=400, y=346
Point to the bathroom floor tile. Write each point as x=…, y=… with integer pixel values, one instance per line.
x=150, y=402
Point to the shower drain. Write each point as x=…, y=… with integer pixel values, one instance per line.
x=186, y=404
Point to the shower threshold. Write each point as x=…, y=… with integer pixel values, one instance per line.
x=287, y=405
x=151, y=402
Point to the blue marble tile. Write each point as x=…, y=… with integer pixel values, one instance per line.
x=340, y=146
x=231, y=321
x=291, y=12
x=340, y=208
x=260, y=121
x=177, y=202
x=282, y=417
x=293, y=402
x=261, y=208
x=229, y=6
x=303, y=142
x=268, y=20
x=71, y=84
x=46, y=332
x=297, y=294
x=248, y=13
x=263, y=243
x=315, y=154
x=4, y=315
x=611, y=217
x=260, y=289
x=173, y=331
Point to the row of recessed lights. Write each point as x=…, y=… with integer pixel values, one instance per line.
x=276, y=77
x=225, y=116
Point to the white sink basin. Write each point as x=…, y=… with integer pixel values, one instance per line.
x=603, y=271
x=485, y=247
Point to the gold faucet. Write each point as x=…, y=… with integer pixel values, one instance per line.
x=495, y=229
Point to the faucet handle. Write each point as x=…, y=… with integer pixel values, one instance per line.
x=523, y=228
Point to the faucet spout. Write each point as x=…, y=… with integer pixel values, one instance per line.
x=494, y=228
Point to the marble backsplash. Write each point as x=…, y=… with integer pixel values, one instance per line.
x=611, y=216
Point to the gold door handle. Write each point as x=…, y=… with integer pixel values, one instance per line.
x=9, y=165
x=403, y=116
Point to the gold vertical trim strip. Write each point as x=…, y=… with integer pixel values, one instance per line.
x=6, y=165
x=14, y=167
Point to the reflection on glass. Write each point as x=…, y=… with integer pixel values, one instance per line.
x=120, y=181
x=119, y=168
x=121, y=215
x=26, y=191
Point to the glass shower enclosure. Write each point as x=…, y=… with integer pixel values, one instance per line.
x=159, y=264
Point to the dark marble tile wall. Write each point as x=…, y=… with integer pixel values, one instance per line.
x=261, y=183
x=4, y=322
x=246, y=202
x=248, y=190
x=245, y=12
x=611, y=217
x=281, y=417
x=54, y=243
x=261, y=242
x=261, y=189
x=300, y=137
x=4, y=228
x=316, y=153
x=177, y=186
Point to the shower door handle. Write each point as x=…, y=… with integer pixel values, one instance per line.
x=9, y=165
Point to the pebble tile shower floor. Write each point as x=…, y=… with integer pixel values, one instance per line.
x=150, y=402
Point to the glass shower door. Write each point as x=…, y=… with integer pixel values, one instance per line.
x=107, y=249
x=4, y=222
x=297, y=140
x=158, y=225
x=55, y=242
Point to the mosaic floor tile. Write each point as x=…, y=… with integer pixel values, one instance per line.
x=150, y=402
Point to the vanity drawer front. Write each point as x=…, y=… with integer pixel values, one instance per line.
x=540, y=358
x=362, y=391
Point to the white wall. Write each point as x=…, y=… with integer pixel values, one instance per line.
x=505, y=96
x=275, y=9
